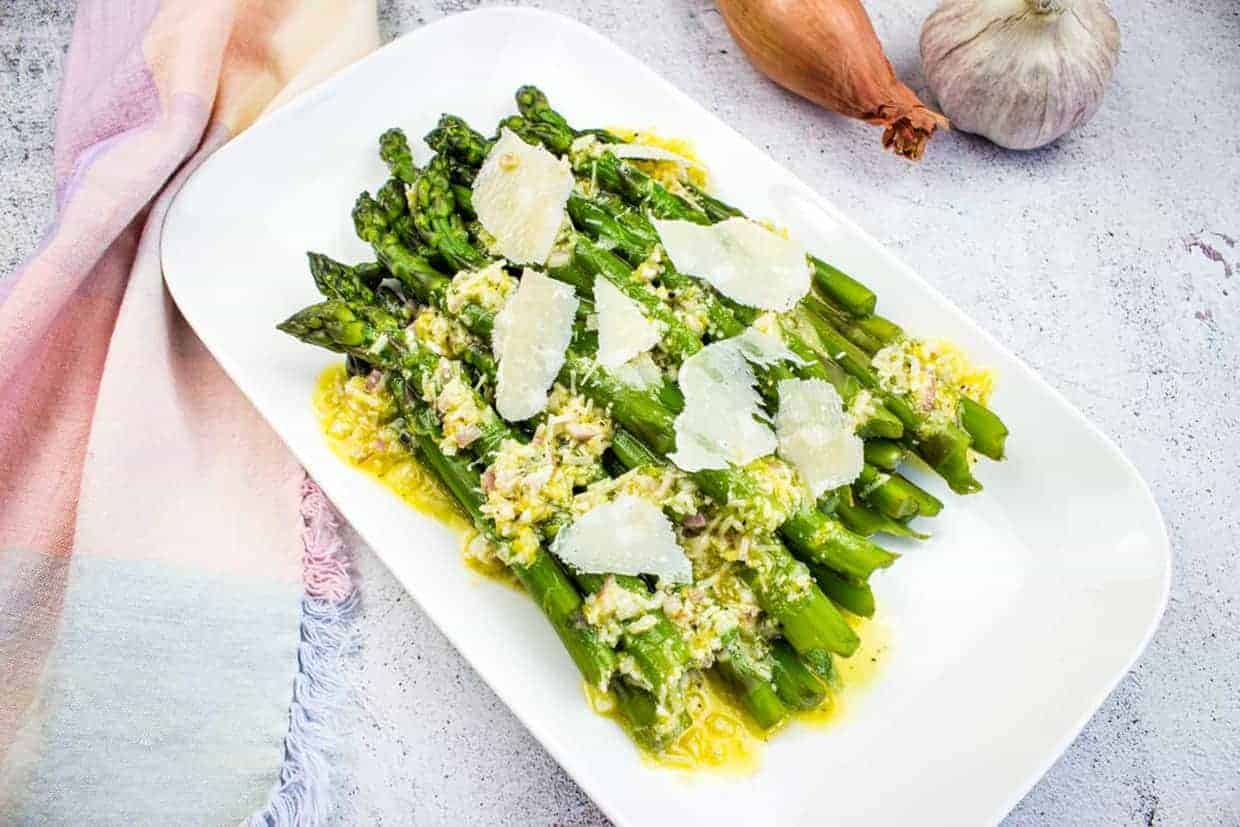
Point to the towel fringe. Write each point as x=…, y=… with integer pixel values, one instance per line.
x=304, y=794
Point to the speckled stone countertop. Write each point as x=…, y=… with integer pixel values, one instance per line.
x=1110, y=262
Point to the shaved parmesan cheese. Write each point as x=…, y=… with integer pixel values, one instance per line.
x=816, y=435
x=742, y=259
x=519, y=196
x=627, y=536
x=641, y=373
x=530, y=337
x=623, y=332
x=719, y=425
x=764, y=348
x=645, y=152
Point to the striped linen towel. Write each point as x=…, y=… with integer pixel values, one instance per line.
x=172, y=588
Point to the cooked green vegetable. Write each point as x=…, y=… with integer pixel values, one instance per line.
x=655, y=561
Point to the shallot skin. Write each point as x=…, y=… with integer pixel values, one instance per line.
x=827, y=51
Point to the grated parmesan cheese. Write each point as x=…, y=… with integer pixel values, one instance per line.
x=742, y=259
x=519, y=196
x=816, y=435
x=530, y=338
x=623, y=332
x=626, y=536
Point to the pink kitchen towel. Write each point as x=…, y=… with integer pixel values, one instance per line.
x=172, y=588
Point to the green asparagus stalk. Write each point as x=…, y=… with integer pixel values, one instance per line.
x=335, y=326
x=434, y=209
x=811, y=624
x=753, y=688
x=945, y=448
x=635, y=239
x=884, y=454
x=626, y=180
x=659, y=651
x=646, y=720
x=987, y=430
x=852, y=296
x=852, y=595
x=795, y=684
x=814, y=535
x=865, y=521
x=395, y=152
x=359, y=284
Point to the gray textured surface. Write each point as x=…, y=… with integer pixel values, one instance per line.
x=1109, y=262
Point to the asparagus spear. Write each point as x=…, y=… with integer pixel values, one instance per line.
x=795, y=685
x=812, y=626
x=394, y=151
x=854, y=596
x=649, y=719
x=359, y=284
x=852, y=296
x=894, y=495
x=751, y=682
x=814, y=535
x=619, y=177
x=334, y=325
x=434, y=209
x=659, y=651
x=871, y=333
x=944, y=447
x=865, y=521
x=884, y=454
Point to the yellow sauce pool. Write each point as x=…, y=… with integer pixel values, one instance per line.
x=722, y=738
x=352, y=419
x=667, y=173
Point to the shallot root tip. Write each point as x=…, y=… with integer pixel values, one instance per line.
x=908, y=129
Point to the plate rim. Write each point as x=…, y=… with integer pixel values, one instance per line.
x=550, y=742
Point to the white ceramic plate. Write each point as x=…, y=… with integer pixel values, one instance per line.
x=1008, y=629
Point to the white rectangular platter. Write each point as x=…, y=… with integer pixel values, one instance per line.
x=1008, y=628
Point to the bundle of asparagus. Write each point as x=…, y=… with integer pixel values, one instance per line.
x=774, y=571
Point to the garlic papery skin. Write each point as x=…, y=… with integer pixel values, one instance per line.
x=1019, y=72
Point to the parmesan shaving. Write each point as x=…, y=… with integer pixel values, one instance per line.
x=530, y=337
x=816, y=435
x=519, y=196
x=623, y=332
x=764, y=348
x=646, y=152
x=742, y=259
x=626, y=536
x=720, y=425
x=641, y=373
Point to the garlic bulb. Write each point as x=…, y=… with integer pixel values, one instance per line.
x=1020, y=72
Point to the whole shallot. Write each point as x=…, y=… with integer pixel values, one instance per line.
x=827, y=51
